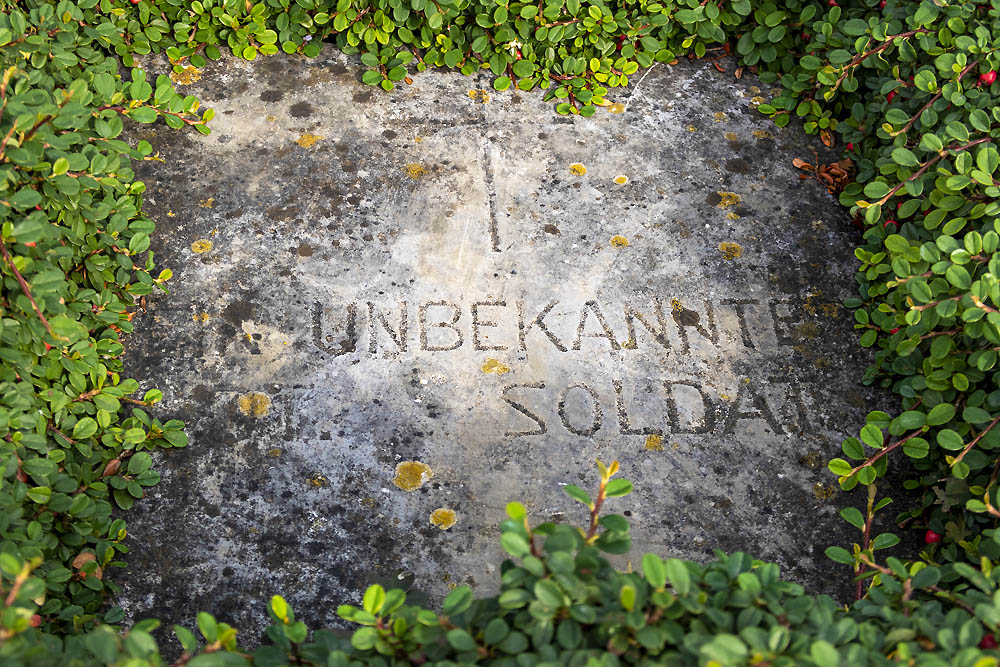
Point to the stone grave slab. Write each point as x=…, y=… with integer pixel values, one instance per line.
x=393, y=313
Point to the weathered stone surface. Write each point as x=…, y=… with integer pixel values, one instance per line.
x=465, y=280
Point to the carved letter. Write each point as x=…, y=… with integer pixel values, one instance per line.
x=761, y=411
x=373, y=316
x=783, y=324
x=624, y=425
x=741, y=316
x=523, y=330
x=349, y=344
x=685, y=318
x=708, y=422
x=476, y=323
x=595, y=403
x=456, y=313
x=591, y=306
x=523, y=410
x=659, y=336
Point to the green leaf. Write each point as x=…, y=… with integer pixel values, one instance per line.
x=679, y=576
x=942, y=413
x=905, y=157
x=949, y=439
x=852, y=515
x=457, y=601
x=514, y=544
x=501, y=83
x=549, y=593
x=839, y=555
x=872, y=436
x=576, y=493
x=654, y=570
x=374, y=598
x=617, y=488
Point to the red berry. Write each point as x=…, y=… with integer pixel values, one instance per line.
x=832, y=3
x=36, y=620
x=890, y=222
x=988, y=642
x=892, y=94
x=850, y=146
x=930, y=537
x=47, y=347
x=30, y=244
x=894, y=331
x=881, y=5
x=135, y=2
x=988, y=78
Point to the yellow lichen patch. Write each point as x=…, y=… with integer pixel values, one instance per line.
x=719, y=117
x=186, y=76
x=254, y=404
x=414, y=170
x=756, y=100
x=318, y=481
x=619, y=242
x=480, y=95
x=725, y=397
x=824, y=491
x=411, y=475
x=730, y=250
x=732, y=216
x=621, y=179
x=830, y=309
x=762, y=134
x=494, y=366
x=616, y=107
x=271, y=118
x=732, y=136
x=207, y=203
x=676, y=305
x=308, y=140
x=418, y=139
x=369, y=502
x=727, y=199
x=201, y=317
x=274, y=452
x=443, y=518
x=654, y=442
x=170, y=214
x=692, y=128
x=577, y=169
x=202, y=245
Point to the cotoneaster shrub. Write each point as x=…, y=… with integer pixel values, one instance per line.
x=908, y=89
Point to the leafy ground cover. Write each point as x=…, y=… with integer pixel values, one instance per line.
x=907, y=89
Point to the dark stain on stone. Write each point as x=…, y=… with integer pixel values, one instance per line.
x=305, y=250
x=362, y=97
x=272, y=95
x=686, y=318
x=551, y=229
x=237, y=312
x=389, y=134
x=738, y=166
x=300, y=110
x=348, y=166
x=284, y=214
x=354, y=200
x=743, y=211
x=337, y=69
x=235, y=213
x=713, y=199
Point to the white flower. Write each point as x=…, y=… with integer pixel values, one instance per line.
x=513, y=47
